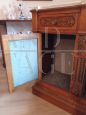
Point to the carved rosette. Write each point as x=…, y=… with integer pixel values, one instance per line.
x=82, y=45
x=59, y=21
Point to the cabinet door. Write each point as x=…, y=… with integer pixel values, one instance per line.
x=21, y=57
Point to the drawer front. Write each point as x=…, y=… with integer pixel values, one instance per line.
x=58, y=21
x=62, y=22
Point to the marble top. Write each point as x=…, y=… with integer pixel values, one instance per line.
x=58, y=6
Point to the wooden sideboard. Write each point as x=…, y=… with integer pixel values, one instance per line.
x=69, y=20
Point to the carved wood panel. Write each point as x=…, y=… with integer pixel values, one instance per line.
x=82, y=45
x=78, y=78
x=58, y=21
x=65, y=22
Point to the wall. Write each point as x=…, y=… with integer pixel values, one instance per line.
x=41, y=3
x=5, y=3
x=53, y=2
x=18, y=27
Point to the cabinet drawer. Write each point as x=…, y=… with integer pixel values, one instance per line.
x=61, y=22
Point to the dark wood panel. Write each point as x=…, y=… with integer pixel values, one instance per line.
x=78, y=79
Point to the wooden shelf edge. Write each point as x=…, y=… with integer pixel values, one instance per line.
x=4, y=21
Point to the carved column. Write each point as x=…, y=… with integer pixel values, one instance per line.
x=78, y=78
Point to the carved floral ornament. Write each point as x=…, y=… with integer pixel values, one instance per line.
x=82, y=43
x=60, y=21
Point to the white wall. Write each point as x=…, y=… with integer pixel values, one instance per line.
x=41, y=3
x=5, y=3
x=50, y=3
x=18, y=27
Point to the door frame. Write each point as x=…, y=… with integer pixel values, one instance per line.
x=5, y=39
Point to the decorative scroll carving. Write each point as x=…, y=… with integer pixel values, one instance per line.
x=59, y=21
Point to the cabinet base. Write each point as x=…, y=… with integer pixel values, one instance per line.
x=60, y=98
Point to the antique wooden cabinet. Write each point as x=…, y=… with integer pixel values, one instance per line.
x=64, y=21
